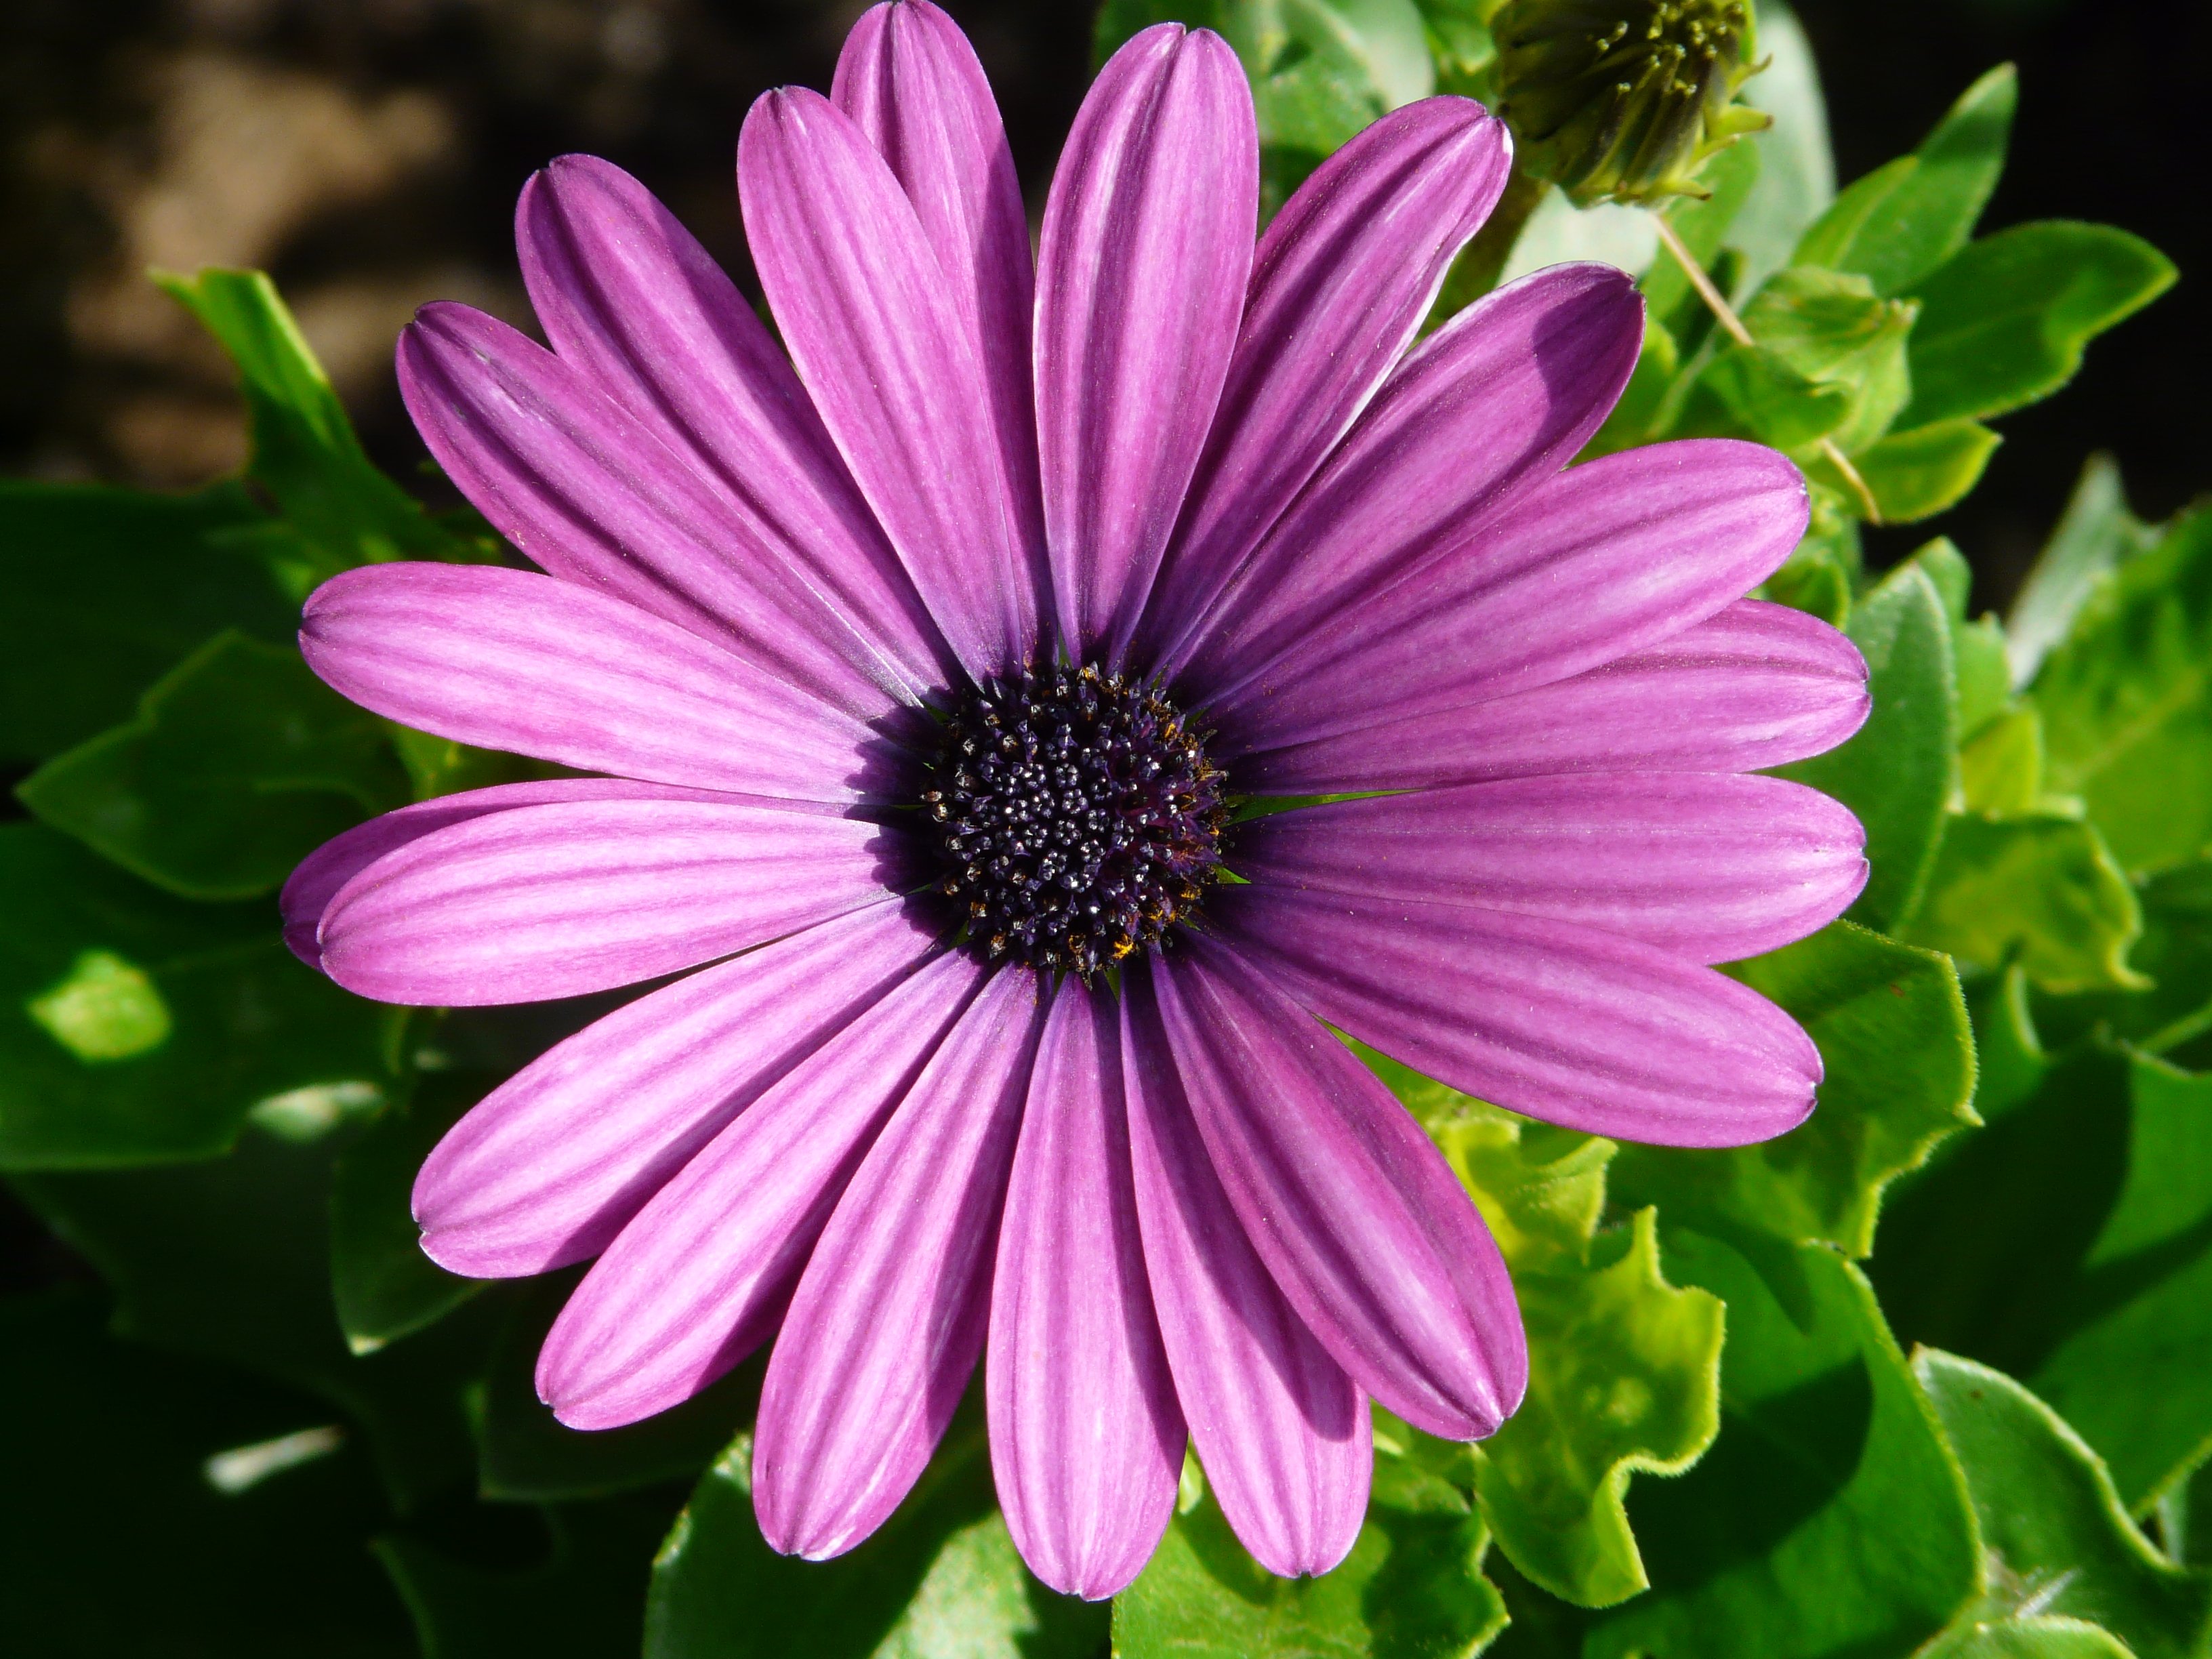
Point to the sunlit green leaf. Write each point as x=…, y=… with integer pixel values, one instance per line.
x=116, y=1541
x=939, y=1580
x=1828, y=1519
x=2040, y=1635
x=240, y=763
x=1898, y=1064
x=1915, y=474
x=2042, y=891
x=108, y=590
x=2001, y=766
x=2058, y=1539
x=305, y=452
x=1797, y=171
x=229, y=1261
x=2095, y=536
x=1412, y=1586
x=2004, y=320
x=137, y=1028
x=2127, y=719
x=1896, y=773
x=1903, y=219
x=1829, y=361
x=383, y=1285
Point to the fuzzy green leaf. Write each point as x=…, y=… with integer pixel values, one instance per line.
x=1829, y=1519
x=2042, y=891
x=305, y=452
x=108, y=590
x=1915, y=474
x=229, y=1261
x=1895, y=773
x=2004, y=321
x=2126, y=702
x=1411, y=1588
x=137, y=1028
x=2174, y=952
x=2038, y=1636
x=939, y=1580
x=2058, y=1540
x=240, y=763
x=1899, y=1059
x=116, y=1542
x=383, y=1286
x=1829, y=361
x=1903, y=219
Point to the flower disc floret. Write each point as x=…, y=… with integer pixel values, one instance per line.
x=1077, y=816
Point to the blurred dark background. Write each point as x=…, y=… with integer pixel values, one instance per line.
x=368, y=152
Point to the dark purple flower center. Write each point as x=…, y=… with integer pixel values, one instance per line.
x=1077, y=816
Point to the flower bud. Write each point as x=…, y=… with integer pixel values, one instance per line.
x=1624, y=100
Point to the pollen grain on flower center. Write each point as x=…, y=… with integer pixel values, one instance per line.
x=1077, y=816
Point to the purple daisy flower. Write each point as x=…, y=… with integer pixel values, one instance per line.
x=928, y=671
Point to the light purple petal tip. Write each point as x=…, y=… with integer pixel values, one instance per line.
x=891, y=1314
x=911, y=82
x=549, y=1167
x=1712, y=866
x=558, y=900
x=701, y=1275
x=1753, y=686
x=1605, y=559
x=1086, y=1438
x=512, y=660
x=1562, y=1023
x=1484, y=411
x=1369, y=1235
x=1282, y=1433
x=1147, y=245
x=888, y=349
x=1340, y=283
x=628, y=296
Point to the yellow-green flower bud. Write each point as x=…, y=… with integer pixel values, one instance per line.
x=1624, y=100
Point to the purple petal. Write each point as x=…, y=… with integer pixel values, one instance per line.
x=890, y=1315
x=550, y=1165
x=911, y=82
x=1282, y=1433
x=554, y=900
x=595, y=496
x=1489, y=407
x=629, y=297
x=885, y=343
x=1753, y=686
x=1578, y=1027
x=1086, y=1438
x=1711, y=867
x=509, y=659
x=1147, y=245
x=338, y=860
x=1372, y=1239
x=1343, y=277
x=1602, y=561
x=701, y=1276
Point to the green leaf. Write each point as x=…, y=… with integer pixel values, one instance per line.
x=1703, y=223
x=2059, y=1541
x=1411, y=1588
x=2004, y=321
x=580, y=1600
x=2127, y=721
x=1797, y=171
x=1895, y=773
x=1460, y=43
x=2174, y=952
x=137, y=1028
x=2001, y=766
x=117, y=1542
x=1903, y=219
x=2042, y=891
x=1829, y=361
x=240, y=763
x=2096, y=533
x=1899, y=1059
x=2070, y=1244
x=526, y=1454
x=383, y=1285
x=2040, y=1637
x=229, y=1260
x=305, y=452
x=939, y=1580
x=1829, y=1518
x=108, y=590
x=1915, y=474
